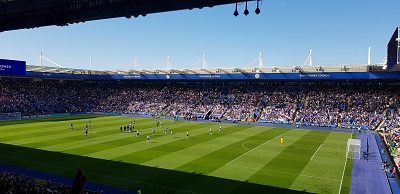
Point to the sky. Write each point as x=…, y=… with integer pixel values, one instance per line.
x=337, y=31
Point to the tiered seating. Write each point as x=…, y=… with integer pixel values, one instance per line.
x=341, y=107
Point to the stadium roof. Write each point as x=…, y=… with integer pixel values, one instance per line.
x=280, y=69
x=21, y=14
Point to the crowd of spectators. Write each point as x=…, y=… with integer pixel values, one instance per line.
x=392, y=120
x=281, y=105
x=19, y=184
x=342, y=107
x=339, y=107
x=321, y=107
x=189, y=104
x=245, y=105
x=136, y=99
x=391, y=130
x=34, y=98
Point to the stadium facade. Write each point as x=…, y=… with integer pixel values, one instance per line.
x=294, y=73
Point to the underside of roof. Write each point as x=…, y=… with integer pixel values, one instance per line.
x=25, y=14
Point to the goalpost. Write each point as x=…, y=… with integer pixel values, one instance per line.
x=353, y=150
x=10, y=116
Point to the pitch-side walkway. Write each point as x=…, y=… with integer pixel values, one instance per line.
x=367, y=174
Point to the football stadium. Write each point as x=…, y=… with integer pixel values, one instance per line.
x=259, y=129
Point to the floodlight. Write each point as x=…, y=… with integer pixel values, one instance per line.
x=258, y=8
x=246, y=11
x=236, y=13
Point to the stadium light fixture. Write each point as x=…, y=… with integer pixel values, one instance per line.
x=236, y=13
x=246, y=11
x=298, y=69
x=276, y=70
x=320, y=69
x=258, y=8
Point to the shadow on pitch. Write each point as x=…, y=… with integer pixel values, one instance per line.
x=128, y=176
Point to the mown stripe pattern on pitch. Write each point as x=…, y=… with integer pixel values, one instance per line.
x=237, y=159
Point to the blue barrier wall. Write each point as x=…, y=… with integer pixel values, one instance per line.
x=385, y=156
x=216, y=77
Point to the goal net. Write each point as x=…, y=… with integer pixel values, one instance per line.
x=353, y=149
x=10, y=116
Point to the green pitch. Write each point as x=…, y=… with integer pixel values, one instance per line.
x=237, y=159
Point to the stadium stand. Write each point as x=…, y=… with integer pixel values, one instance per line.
x=323, y=106
x=20, y=184
x=317, y=105
x=388, y=165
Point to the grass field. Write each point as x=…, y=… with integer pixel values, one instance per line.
x=237, y=159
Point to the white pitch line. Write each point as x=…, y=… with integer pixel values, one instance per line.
x=245, y=146
x=315, y=152
x=317, y=177
x=341, y=182
x=248, y=142
x=344, y=168
x=252, y=150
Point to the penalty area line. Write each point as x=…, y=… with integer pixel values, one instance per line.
x=315, y=152
x=243, y=145
x=252, y=150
